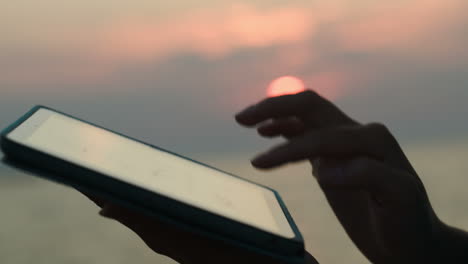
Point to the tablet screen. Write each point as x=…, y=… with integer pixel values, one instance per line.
x=152, y=169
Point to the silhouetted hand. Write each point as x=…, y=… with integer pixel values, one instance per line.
x=367, y=179
x=182, y=246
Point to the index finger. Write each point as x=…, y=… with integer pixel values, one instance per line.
x=276, y=107
x=308, y=106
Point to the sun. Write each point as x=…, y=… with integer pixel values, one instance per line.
x=285, y=85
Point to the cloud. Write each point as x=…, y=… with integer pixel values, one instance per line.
x=208, y=33
x=309, y=39
x=416, y=29
x=92, y=56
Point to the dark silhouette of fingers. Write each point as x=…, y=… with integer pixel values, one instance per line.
x=334, y=143
x=308, y=106
x=287, y=127
x=277, y=107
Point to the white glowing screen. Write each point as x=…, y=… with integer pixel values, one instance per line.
x=146, y=167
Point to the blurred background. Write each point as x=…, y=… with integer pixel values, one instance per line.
x=173, y=73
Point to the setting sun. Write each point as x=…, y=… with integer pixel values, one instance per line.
x=285, y=85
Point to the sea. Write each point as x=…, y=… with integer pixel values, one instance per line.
x=43, y=222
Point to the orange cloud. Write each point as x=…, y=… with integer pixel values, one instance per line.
x=209, y=33
x=92, y=56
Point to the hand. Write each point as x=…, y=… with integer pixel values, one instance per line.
x=182, y=246
x=367, y=179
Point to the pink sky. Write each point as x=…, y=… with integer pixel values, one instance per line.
x=422, y=29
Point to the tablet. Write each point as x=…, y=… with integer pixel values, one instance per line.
x=175, y=189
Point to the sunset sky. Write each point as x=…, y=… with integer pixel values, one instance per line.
x=174, y=73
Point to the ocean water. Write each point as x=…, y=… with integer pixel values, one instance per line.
x=45, y=223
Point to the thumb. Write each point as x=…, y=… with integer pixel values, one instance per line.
x=109, y=211
x=121, y=214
